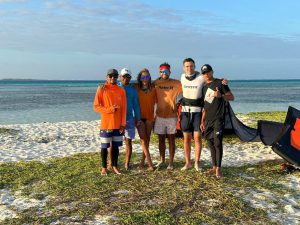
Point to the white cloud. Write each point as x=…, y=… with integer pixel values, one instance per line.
x=131, y=32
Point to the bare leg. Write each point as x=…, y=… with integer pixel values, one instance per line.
x=142, y=163
x=149, y=127
x=162, y=148
x=143, y=140
x=187, y=142
x=141, y=132
x=128, y=149
x=198, y=147
x=171, y=138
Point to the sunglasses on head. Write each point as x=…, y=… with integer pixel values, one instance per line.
x=165, y=71
x=145, y=77
x=112, y=75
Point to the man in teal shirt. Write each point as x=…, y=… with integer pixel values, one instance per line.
x=133, y=116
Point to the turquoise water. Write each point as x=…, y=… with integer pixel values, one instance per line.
x=30, y=101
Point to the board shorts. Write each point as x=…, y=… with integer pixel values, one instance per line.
x=113, y=137
x=190, y=122
x=130, y=129
x=165, y=125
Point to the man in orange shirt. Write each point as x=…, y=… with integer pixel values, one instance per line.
x=110, y=102
x=167, y=91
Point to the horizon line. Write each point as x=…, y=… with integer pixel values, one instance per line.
x=30, y=79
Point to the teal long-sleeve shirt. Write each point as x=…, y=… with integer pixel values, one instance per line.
x=132, y=102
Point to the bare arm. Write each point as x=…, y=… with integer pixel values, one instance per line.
x=202, y=128
x=228, y=96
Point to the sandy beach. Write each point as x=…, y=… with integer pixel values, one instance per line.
x=46, y=140
x=42, y=141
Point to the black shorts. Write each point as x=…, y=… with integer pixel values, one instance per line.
x=213, y=128
x=190, y=122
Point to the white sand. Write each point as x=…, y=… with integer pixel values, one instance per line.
x=287, y=209
x=42, y=141
x=46, y=140
x=10, y=204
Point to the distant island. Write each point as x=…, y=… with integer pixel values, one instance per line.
x=21, y=79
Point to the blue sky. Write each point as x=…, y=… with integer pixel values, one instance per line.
x=61, y=39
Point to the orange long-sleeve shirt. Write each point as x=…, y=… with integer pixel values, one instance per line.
x=104, y=102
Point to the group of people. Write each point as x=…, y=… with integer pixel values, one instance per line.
x=126, y=107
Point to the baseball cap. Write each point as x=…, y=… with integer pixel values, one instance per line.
x=125, y=71
x=206, y=68
x=112, y=72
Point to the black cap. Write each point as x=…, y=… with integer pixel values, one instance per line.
x=112, y=72
x=206, y=68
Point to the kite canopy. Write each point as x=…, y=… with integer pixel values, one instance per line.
x=283, y=137
x=287, y=145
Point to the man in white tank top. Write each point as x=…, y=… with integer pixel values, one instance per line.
x=190, y=118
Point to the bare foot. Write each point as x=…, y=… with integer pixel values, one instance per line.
x=109, y=167
x=104, y=172
x=141, y=166
x=170, y=167
x=212, y=171
x=127, y=167
x=218, y=172
x=150, y=168
x=196, y=166
x=186, y=167
x=116, y=170
x=159, y=165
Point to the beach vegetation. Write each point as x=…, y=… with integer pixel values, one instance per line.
x=276, y=116
x=8, y=131
x=76, y=192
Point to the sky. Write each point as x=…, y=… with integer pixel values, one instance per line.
x=81, y=40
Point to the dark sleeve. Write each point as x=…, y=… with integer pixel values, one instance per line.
x=202, y=98
x=224, y=88
x=203, y=90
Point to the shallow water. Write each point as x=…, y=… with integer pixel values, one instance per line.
x=55, y=101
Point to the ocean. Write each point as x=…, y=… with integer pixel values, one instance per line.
x=34, y=101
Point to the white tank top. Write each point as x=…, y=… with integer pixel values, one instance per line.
x=192, y=90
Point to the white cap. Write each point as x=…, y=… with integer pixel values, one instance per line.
x=125, y=71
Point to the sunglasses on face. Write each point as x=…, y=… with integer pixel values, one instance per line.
x=112, y=76
x=127, y=76
x=145, y=77
x=165, y=71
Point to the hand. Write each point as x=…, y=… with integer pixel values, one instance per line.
x=224, y=81
x=202, y=127
x=115, y=107
x=122, y=129
x=217, y=93
x=138, y=123
x=103, y=86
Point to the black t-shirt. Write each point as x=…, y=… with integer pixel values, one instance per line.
x=214, y=107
